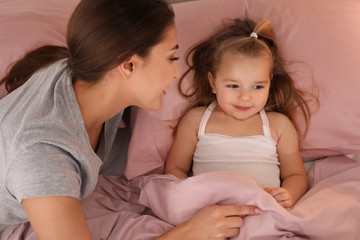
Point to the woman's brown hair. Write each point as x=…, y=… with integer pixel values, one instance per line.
x=234, y=36
x=100, y=35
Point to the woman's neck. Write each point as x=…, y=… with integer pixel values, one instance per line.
x=95, y=107
x=101, y=101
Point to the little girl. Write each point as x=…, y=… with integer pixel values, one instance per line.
x=243, y=114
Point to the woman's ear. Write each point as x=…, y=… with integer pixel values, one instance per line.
x=212, y=82
x=128, y=67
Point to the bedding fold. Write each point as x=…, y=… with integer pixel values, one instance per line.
x=148, y=206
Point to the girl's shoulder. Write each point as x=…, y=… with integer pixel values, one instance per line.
x=192, y=117
x=195, y=113
x=276, y=116
x=279, y=121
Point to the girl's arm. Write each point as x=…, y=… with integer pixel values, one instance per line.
x=182, y=150
x=57, y=218
x=292, y=170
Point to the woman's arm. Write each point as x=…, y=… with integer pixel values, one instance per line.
x=182, y=150
x=214, y=222
x=56, y=218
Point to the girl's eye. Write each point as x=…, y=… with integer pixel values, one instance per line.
x=174, y=59
x=258, y=87
x=232, y=86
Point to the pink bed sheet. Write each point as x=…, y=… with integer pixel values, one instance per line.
x=150, y=205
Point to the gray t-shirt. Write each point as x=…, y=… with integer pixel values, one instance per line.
x=44, y=147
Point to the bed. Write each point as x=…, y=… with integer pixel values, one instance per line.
x=320, y=40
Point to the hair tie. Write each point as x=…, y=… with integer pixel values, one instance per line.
x=254, y=35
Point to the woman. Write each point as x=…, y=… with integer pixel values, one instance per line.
x=59, y=121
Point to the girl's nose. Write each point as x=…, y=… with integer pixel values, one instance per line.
x=245, y=95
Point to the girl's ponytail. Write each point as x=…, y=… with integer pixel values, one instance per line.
x=284, y=97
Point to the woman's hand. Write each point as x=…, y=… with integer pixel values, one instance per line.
x=281, y=195
x=57, y=218
x=214, y=222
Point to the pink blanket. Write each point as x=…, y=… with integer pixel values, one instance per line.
x=150, y=205
x=329, y=210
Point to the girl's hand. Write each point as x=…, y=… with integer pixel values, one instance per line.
x=215, y=222
x=281, y=195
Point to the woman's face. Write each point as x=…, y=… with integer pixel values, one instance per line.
x=156, y=72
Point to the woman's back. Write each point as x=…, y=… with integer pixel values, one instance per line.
x=44, y=144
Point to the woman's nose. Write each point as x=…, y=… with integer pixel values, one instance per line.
x=176, y=71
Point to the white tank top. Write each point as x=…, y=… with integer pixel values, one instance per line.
x=254, y=155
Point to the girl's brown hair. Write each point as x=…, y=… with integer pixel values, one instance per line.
x=100, y=35
x=234, y=36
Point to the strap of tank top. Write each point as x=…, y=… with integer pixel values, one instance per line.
x=265, y=126
x=205, y=118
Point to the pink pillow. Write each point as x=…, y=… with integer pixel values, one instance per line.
x=25, y=25
x=319, y=39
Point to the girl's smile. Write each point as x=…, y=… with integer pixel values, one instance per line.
x=242, y=108
x=242, y=84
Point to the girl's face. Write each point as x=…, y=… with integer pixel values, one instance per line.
x=242, y=84
x=157, y=71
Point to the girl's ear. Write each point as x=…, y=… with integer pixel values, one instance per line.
x=212, y=82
